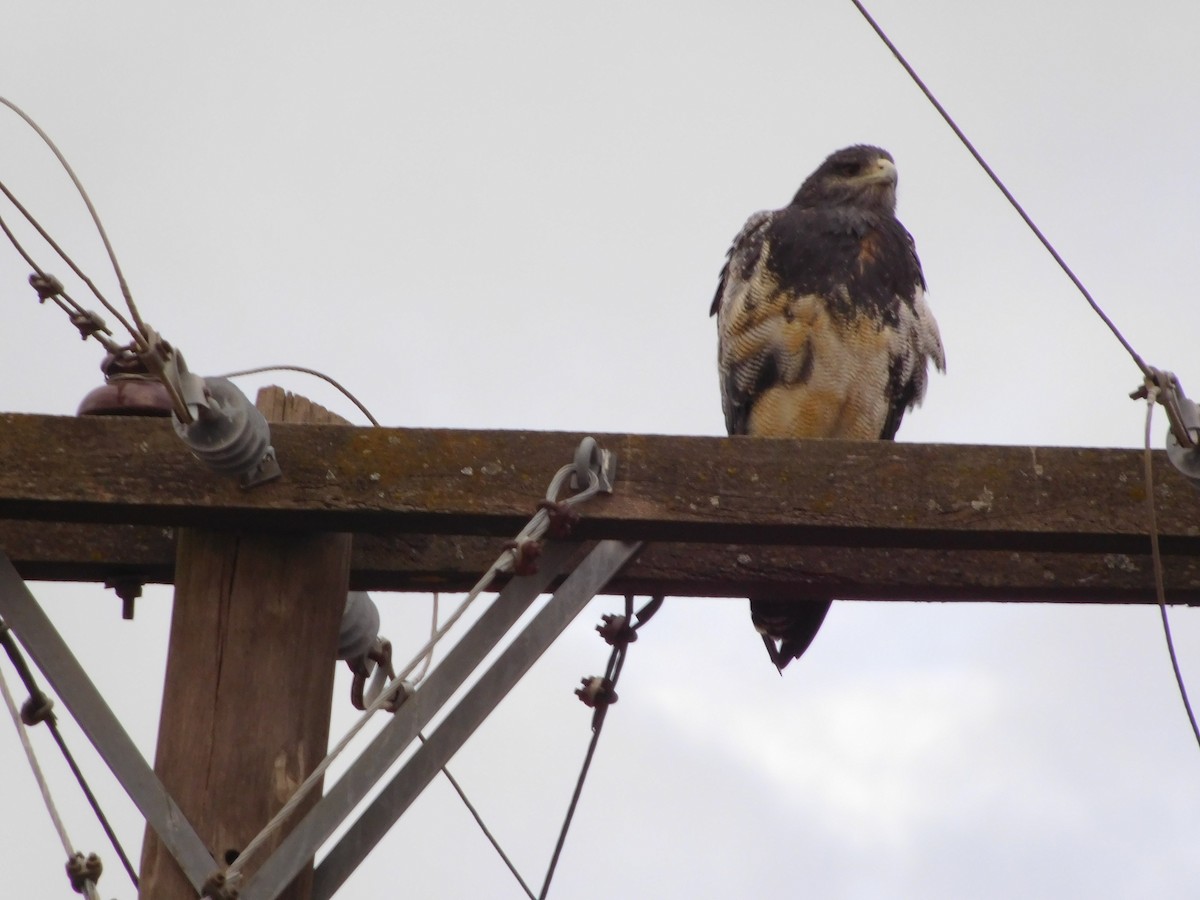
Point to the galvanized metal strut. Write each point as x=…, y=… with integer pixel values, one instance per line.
x=582, y=577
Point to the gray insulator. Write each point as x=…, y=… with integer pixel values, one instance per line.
x=1186, y=459
x=360, y=626
x=229, y=435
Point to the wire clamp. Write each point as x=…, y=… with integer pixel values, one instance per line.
x=563, y=518
x=218, y=888
x=37, y=709
x=1183, y=440
x=523, y=556
x=46, y=285
x=88, y=322
x=167, y=365
x=84, y=869
x=616, y=630
x=599, y=691
x=596, y=691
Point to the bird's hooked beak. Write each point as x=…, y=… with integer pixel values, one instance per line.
x=883, y=171
x=878, y=182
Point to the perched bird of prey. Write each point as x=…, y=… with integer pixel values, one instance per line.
x=823, y=333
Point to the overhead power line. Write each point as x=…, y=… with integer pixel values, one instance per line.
x=1008, y=195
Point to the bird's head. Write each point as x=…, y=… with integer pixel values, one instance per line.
x=861, y=176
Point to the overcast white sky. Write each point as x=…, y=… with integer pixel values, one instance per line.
x=512, y=215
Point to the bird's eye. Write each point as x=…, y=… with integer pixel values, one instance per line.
x=848, y=169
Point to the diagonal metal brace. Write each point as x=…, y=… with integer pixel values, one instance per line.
x=70, y=682
x=605, y=560
x=568, y=601
x=301, y=844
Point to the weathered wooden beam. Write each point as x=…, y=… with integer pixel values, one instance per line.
x=71, y=552
x=421, y=562
x=694, y=489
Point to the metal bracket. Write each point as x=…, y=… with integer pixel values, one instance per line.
x=301, y=845
x=166, y=364
x=66, y=676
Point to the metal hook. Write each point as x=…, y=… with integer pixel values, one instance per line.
x=589, y=458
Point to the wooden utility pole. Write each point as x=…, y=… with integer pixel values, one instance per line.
x=249, y=680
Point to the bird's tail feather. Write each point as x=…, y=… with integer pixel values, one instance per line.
x=787, y=626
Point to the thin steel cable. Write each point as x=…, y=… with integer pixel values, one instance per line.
x=433, y=626
x=64, y=301
x=95, y=805
x=141, y=332
x=612, y=672
x=1062, y=264
x=349, y=396
x=45, y=235
x=40, y=777
x=37, y=695
x=1152, y=390
x=615, y=665
x=562, y=835
x=1156, y=557
x=483, y=827
x=61, y=299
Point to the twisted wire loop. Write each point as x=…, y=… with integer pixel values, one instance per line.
x=599, y=693
x=399, y=686
x=1152, y=389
